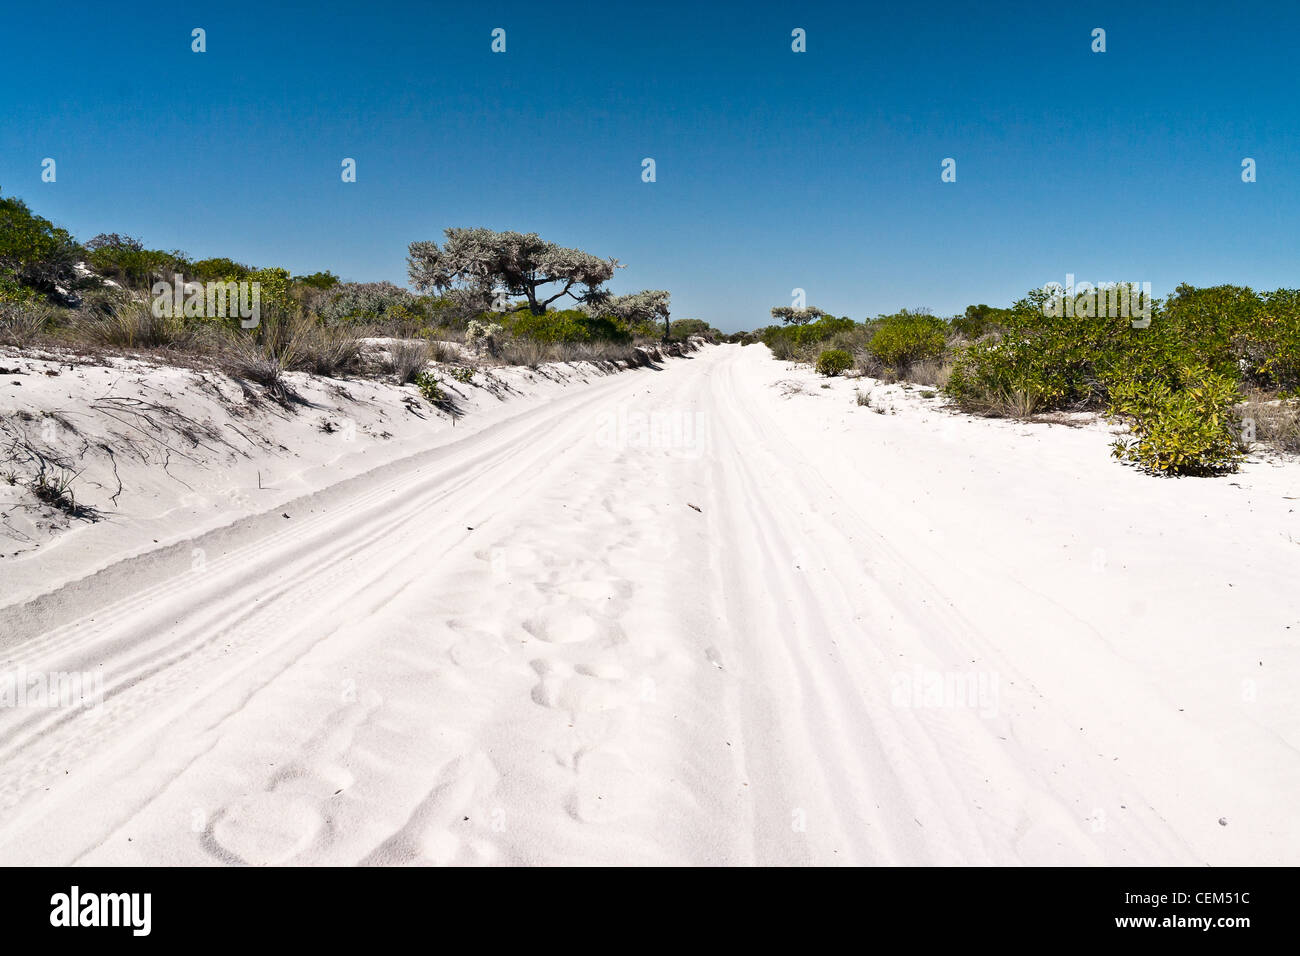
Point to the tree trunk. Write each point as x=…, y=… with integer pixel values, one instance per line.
x=534, y=306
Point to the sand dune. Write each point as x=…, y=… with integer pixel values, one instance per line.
x=685, y=616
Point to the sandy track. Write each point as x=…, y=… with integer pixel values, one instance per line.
x=527, y=647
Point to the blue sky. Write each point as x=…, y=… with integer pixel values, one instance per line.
x=775, y=170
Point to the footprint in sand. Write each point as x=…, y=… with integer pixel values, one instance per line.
x=578, y=692
x=565, y=624
x=264, y=830
x=442, y=827
x=475, y=647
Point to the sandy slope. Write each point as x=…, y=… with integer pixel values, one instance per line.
x=881, y=638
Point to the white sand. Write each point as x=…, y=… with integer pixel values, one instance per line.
x=517, y=642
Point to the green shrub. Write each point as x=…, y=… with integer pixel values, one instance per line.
x=34, y=253
x=318, y=280
x=216, y=270
x=567, y=325
x=833, y=362
x=1272, y=346
x=978, y=320
x=799, y=341
x=1185, y=427
x=1045, y=361
x=906, y=338
x=429, y=388
x=463, y=374
x=125, y=260
x=681, y=329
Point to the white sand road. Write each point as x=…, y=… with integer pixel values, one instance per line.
x=908, y=638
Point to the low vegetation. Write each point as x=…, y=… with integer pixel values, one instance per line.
x=834, y=362
x=1200, y=379
x=483, y=298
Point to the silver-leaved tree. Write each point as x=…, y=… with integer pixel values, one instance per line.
x=792, y=316
x=484, y=262
x=650, y=305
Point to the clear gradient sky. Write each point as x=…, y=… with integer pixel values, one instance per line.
x=775, y=170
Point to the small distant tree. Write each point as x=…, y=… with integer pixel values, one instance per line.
x=319, y=280
x=638, y=307
x=789, y=315
x=684, y=328
x=484, y=261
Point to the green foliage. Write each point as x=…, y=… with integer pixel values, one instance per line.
x=126, y=261
x=791, y=341
x=979, y=320
x=1184, y=427
x=1176, y=380
x=34, y=253
x=274, y=287
x=429, y=388
x=463, y=374
x=638, y=312
x=680, y=329
x=216, y=270
x=1050, y=361
x=905, y=338
x=1274, y=346
x=12, y=291
x=833, y=362
x=318, y=280
x=569, y=325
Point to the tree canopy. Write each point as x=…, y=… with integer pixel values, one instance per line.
x=789, y=315
x=649, y=305
x=484, y=261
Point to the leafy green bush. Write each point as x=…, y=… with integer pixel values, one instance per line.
x=318, y=280
x=681, y=329
x=1271, y=348
x=566, y=325
x=799, y=341
x=34, y=253
x=463, y=374
x=978, y=320
x=1185, y=427
x=429, y=388
x=125, y=260
x=833, y=362
x=905, y=338
x=1047, y=361
x=217, y=270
